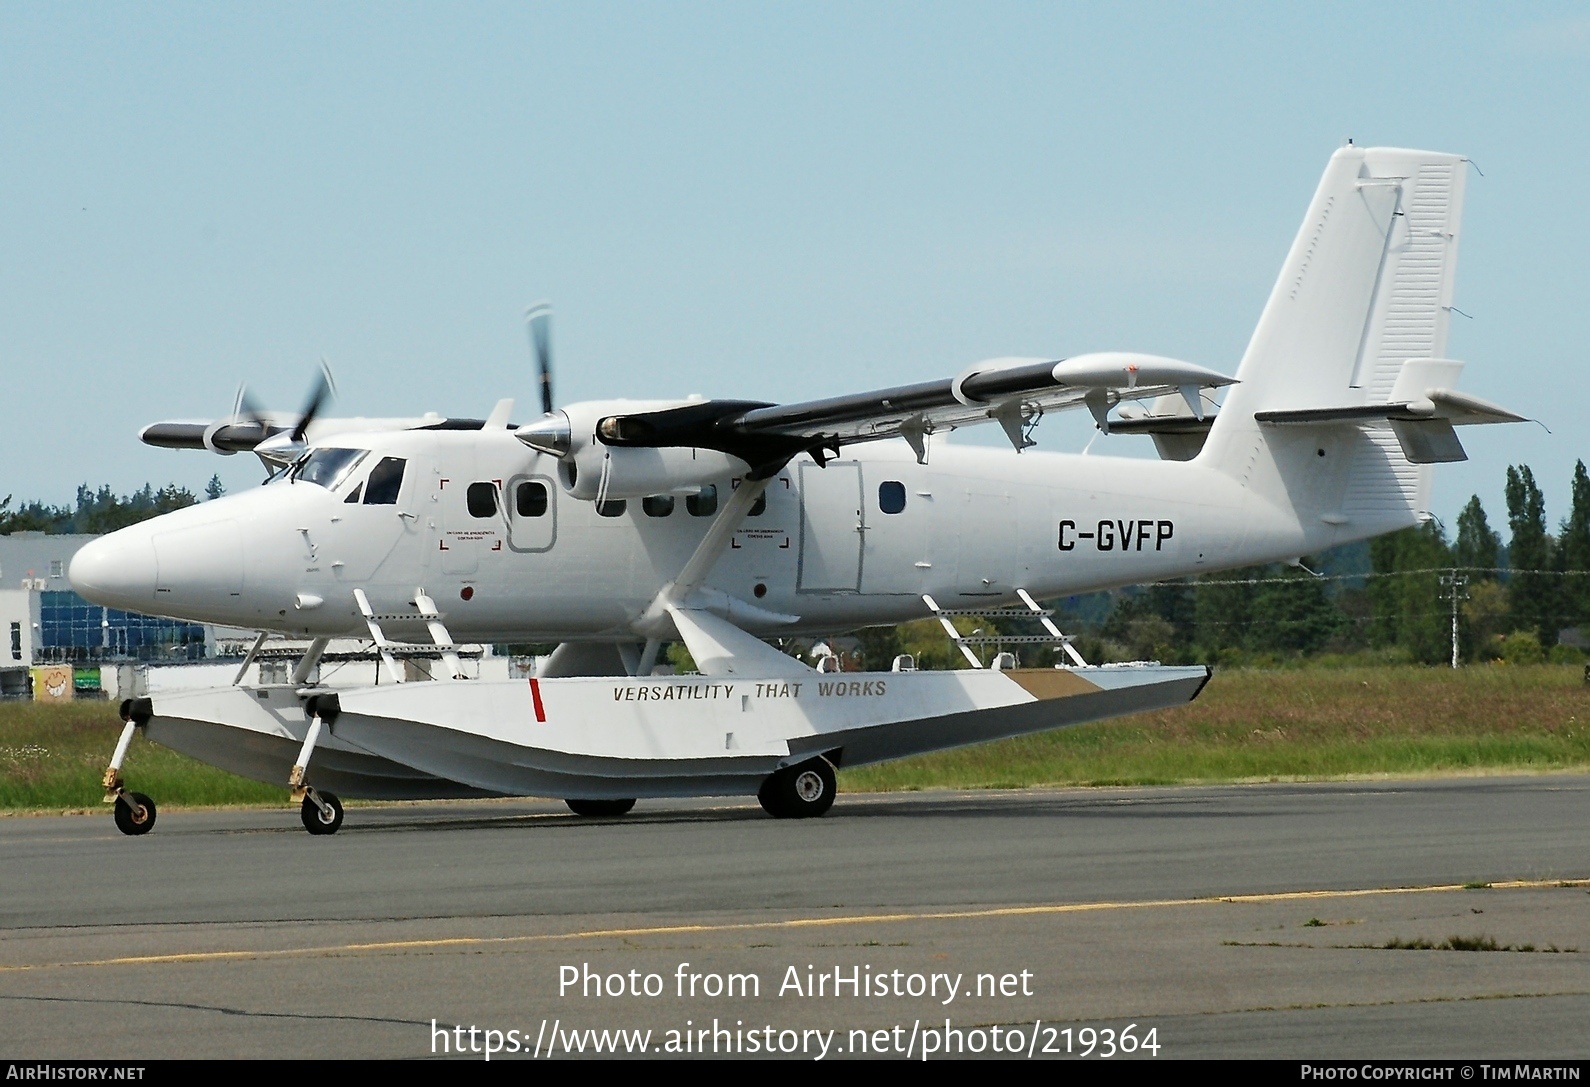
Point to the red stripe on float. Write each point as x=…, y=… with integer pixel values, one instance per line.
x=535, y=695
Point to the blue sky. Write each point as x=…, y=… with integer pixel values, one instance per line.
x=749, y=200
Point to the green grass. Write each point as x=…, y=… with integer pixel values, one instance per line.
x=1292, y=724
x=1463, y=943
x=53, y=756
x=1247, y=725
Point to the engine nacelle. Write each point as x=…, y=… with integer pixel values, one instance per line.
x=614, y=472
x=589, y=468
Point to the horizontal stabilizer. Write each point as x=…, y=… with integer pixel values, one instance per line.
x=1459, y=408
x=1162, y=424
x=1179, y=424
x=1446, y=405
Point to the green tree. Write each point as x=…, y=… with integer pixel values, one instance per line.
x=1174, y=602
x=1477, y=546
x=33, y=517
x=1138, y=628
x=214, y=489
x=925, y=640
x=1293, y=614
x=1573, y=550
x=1409, y=609
x=878, y=648
x=1530, y=587
x=103, y=511
x=1485, y=615
x=95, y=511
x=1221, y=613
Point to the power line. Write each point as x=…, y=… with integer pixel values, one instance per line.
x=1371, y=574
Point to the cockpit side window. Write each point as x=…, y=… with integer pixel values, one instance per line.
x=386, y=479
x=327, y=467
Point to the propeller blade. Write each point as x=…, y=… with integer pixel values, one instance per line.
x=538, y=320
x=325, y=387
x=249, y=411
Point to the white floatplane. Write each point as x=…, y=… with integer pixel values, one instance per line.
x=615, y=527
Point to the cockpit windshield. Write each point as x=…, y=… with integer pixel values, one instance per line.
x=327, y=467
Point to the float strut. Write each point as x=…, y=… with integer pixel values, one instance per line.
x=311, y=738
x=113, y=781
x=322, y=711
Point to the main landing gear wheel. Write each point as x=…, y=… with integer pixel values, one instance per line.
x=799, y=792
x=135, y=813
x=595, y=809
x=315, y=820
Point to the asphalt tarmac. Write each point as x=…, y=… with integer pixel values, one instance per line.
x=1221, y=921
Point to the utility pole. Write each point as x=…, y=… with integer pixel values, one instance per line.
x=1454, y=583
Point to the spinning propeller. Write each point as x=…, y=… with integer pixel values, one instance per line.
x=278, y=443
x=538, y=322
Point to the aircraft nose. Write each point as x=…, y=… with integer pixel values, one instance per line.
x=117, y=570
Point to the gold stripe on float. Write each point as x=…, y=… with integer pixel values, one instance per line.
x=1049, y=683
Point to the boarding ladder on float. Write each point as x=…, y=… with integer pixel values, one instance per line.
x=305, y=659
x=1031, y=610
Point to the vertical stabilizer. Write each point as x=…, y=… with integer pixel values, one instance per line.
x=1366, y=286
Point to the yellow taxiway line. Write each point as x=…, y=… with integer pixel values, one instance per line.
x=787, y=923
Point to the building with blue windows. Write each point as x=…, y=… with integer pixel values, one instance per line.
x=71, y=630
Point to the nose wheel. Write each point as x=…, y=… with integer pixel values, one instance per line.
x=134, y=812
x=799, y=792
x=321, y=812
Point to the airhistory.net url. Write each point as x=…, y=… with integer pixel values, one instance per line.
x=915, y=1041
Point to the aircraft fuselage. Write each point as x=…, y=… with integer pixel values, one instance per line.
x=486, y=527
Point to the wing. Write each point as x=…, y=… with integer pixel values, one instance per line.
x=1011, y=392
x=273, y=436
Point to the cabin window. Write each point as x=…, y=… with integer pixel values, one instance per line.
x=481, y=499
x=611, y=509
x=704, y=503
x=386, y=479
x=758, y=507
x=325, y=467
x=530, y=499
x=891, y=496
x=353, y=495
x=658, y=505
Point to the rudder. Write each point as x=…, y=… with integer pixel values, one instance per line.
x=1366, y=286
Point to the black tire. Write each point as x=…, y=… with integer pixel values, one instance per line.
x=127, y=821
x=315, y=821
x=596, y=809
x=799, y=792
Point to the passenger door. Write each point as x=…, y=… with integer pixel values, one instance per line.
x=832, y=525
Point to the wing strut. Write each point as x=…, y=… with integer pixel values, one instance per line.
x=706, y=619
